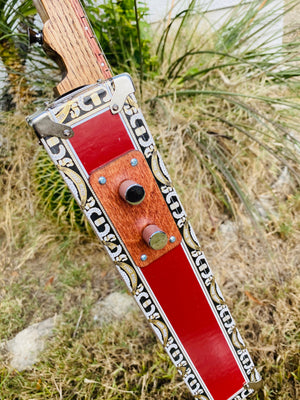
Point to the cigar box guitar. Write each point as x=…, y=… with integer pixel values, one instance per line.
x=97, y=137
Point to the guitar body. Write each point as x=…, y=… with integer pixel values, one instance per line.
x=98, y=139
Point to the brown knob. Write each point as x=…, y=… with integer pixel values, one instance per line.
x=155, y=237
x=132, y=192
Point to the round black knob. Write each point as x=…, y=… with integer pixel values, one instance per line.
x=132, y=192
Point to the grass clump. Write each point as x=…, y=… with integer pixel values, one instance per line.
x=233, y=104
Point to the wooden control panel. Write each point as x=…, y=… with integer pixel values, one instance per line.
x=131, y=220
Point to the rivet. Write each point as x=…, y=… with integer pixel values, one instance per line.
x=143, y=257
x=115, y=107
x=134, y=162
x=67, y=132
x=172, y=239
x=102, y=180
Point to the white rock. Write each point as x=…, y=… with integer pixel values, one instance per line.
x=116, y=306
x=27, y=345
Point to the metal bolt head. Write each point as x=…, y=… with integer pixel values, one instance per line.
x=134, y=162
x=102, y=180
x=172, y=239
x=115, y=107
x=155, y=237
x=143, y=257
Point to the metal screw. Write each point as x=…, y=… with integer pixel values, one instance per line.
x=134, y=162
x=115, y=107
x=102, y=180
x=172, y=239
x=67, y=132
x=143, y=257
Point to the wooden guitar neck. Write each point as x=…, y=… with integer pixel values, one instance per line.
x=69, y=38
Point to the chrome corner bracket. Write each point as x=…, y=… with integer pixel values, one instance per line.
x=45, y=126
x=254, y=385
x=123, y=87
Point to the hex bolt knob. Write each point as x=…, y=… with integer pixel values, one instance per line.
x=132, y=192
x=155, y=237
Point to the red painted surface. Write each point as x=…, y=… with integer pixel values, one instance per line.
x=179, y=293
x=100, y=140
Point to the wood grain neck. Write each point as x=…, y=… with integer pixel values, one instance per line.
x=68, y=36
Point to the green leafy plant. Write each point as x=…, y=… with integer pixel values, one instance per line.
x=123, y=33
x=13, y=48
x=26, y=72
